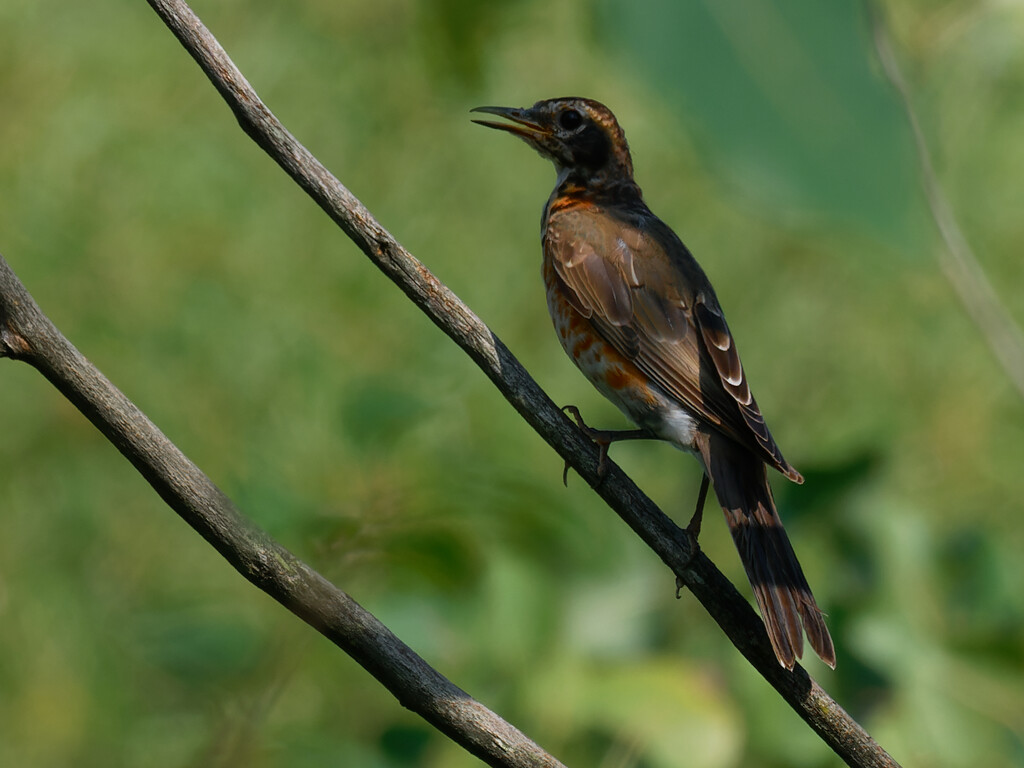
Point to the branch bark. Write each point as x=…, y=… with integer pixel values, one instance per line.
x=26, y=334
x=718, y=596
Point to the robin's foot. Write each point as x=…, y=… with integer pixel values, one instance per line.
x=693, y=528
x=603, y=438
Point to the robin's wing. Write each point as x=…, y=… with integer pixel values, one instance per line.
x=646, y=295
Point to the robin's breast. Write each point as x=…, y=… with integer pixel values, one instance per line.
x=613, y=374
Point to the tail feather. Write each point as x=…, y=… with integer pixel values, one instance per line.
x=783, y=595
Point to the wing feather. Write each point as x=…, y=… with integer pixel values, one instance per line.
x=646, y=296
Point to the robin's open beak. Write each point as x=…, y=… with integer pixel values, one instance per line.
x=523, y=126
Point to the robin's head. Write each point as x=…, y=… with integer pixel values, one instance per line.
x=580, y=136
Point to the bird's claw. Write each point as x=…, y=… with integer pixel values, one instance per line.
x=691, y=534
x=598, y=436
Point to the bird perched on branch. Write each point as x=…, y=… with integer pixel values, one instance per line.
x=638, y=316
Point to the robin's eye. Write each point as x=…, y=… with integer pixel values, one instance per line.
x=570, y=120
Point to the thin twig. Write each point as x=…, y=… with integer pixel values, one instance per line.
x=959, y=263
x=666, y=539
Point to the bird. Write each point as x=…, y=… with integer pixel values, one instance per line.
x=638, y=316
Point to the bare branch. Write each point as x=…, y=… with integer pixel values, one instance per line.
x=959, y=263
x=669, y=542
x=27, y=334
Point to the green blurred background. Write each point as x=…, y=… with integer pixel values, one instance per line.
x=216, y=295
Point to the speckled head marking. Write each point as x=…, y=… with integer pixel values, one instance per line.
x=580, y=136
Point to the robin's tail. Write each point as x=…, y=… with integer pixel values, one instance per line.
x=787, y=605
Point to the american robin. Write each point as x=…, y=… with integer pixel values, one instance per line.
x=638, y=316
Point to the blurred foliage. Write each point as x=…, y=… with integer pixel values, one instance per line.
x=204, y=283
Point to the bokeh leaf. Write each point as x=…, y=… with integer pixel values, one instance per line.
x=784, y=100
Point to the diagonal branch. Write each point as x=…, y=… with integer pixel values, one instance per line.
x=27, y=334
x=447, y=311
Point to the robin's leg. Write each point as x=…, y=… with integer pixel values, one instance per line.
x=698, y=514
x=693, y=528
x=603, y=438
